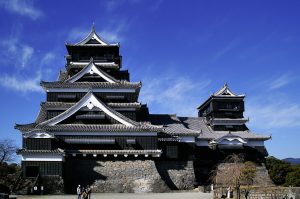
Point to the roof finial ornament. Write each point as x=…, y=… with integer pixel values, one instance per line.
x=93, y=27
x=91, y=59
x=225, y=85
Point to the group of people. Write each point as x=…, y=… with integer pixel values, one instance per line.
x=84, y=192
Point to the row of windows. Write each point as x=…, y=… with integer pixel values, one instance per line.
x=37, y=143
x=229, y=127
x=105, y=97
x=121, y=142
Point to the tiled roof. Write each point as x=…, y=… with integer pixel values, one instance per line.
x=28, y=151
x=125, y=105
x=25, y=127
x=92, y=67
x=87, y=98
x=63, y=105
x=110, y=152
x=90, y=128
x=198, y=123
x=169, y=124
x=95, y=37
x=42, y=115
x=68, y=105
x=101, y=128
x=92, y=45
x=172, y=125
x=194, y=123
x=63, y=75
x=243, y=134
x=46, y=125
x=99, y=64
x=225, y=91
x=122, y=84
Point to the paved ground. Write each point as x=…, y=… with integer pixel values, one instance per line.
x=178, y=195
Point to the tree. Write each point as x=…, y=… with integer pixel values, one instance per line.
x=248, y=176
x=230, y=174
x=7, y=171
x=278, y=170
x=7, y=151
x=293, y=177
x=235, y=173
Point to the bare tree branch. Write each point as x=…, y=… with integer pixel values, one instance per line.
x=7, y=150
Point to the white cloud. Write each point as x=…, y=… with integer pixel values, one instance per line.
x=273, y=114
x=26, y=53
x=20, y=53
x=77, y=34
x=111, y=5
x=225, y=50
x=173, y=94
x=22, y=7
x=48, y=58
x=281, y=81
x=21, y=85
x=155, y=5
x=111, y=33
x=271, y=108
x=110, y=36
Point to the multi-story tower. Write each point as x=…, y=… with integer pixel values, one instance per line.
x=222, y=114
x=224, y=111
x=92, y=110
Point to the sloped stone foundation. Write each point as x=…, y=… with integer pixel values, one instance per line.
x=137, y=176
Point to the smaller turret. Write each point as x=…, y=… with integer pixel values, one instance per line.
x=224, y=110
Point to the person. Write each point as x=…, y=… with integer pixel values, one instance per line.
x=35, y=189
x=229, y=192
x=78, y=191
x=84, y=194
x=42, y=190
x=89, y=191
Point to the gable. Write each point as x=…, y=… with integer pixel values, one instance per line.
x=90, y=101
x=91, y=69
x=93, y=41
x=38, y=135
x=92, y=38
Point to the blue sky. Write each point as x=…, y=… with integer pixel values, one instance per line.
x=182, y=52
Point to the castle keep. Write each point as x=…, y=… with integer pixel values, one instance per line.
x=92, y=130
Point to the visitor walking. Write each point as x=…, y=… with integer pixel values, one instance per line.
x=229, y=190
x=84, y=194
x=42, y=190
x=89, y=191
x=78, y=191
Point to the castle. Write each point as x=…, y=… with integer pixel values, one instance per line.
x=92, y=130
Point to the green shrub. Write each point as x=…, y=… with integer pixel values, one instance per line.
x=278, y=170
x=293, y=177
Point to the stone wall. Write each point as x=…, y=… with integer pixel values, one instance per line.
x=271, y=192
x=138, y=176
x=275, y=193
